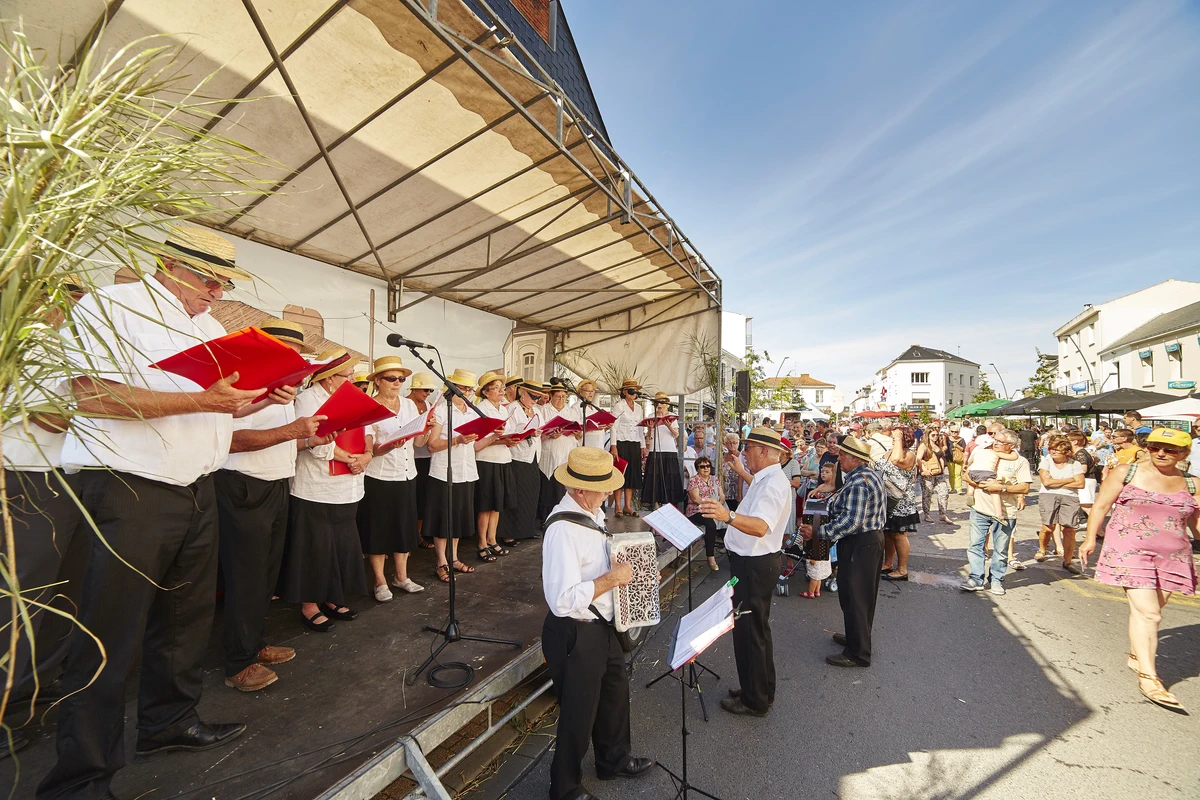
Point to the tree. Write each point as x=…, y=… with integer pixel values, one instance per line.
x=924, y=417
x=905, y=418
x=1044, y=378
x=762, y=396
x=984, y=392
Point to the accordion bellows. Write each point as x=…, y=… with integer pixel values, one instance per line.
x=637, y=604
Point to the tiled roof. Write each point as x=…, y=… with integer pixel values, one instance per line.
x=920, y=353
x=1186, y=317
x=804, y=380
x=235, y=315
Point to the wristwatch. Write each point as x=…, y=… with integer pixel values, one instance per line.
x=732, y=514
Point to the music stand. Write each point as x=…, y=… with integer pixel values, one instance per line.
x=452, y=632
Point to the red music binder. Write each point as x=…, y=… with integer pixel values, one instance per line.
x=620, y=464
x=598, y=418
x=650, y=422
x=354, y=441
x=480, y=426
x=561, y=423
x=348, y=408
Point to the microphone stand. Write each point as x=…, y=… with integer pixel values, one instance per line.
x=451, y=633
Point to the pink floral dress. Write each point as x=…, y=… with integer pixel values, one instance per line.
x=1147, y=542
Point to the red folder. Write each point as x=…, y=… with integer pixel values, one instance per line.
x=620, y=464
x=354, y=441
x=520, y=437
x=650, y=422
x=261, y=361
x=563, y=424
x=480, y=426
x=348, y=408
x=599, y=418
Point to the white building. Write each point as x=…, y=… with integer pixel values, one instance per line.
x=815, y=394
x=1088, y=361
x=1163, y=355
x=922, y=378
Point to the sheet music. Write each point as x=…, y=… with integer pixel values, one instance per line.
x=673, y=526
x=697, y=630
x=413, y=428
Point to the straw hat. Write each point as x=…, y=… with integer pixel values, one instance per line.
x=489, y=377
x=630, y=383
x=339, y=356
x=590, y=469
x=556, y=385
x=584, y=384
x=513, y=380
x=766, y=437
x=283, y=329
x=389, y=364
x=662, y=397
x=360, y=373
x=202, y=250
x=856, y=447
x=462, y=377
x=535, y=387
x=424, y=380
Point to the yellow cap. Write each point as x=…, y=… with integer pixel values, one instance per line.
x=1170, y=436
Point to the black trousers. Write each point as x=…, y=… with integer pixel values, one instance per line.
x=169, y=534
x=753, y=649
x=710, y=533
x=51, y=540
x=587, y=666
x=860, y=557
x=253, y=522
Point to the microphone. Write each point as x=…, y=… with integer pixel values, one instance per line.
x=396, y=340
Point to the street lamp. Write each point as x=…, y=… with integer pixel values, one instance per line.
x=781, y=363
x=1001, y=377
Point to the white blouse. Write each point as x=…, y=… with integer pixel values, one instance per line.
x=555, y=451
x=464, y=454
x=312, y=481
x=590, y=438
x=271, y=463
x=496, y=453
x=529, y=448
x=423, y=450
x=398, y=463
x=663, y=441
x=625, y=429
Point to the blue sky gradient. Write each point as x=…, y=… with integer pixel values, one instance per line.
x=870, y=175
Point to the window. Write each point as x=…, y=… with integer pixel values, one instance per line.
x=1147, y=359
x=949, y=379
x=971, y=380
x=1089, y=335
x=1174, y=362
x=820, y=398
x=920, y=377
x=528, y=362
x=960, y=379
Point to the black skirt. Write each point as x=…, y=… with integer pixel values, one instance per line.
x=552, y=492
x=902, y=523
x=520, y=522
x=631, y=452
x=422, y=484
x=462, y=514
x=387, y=517
x=663, y=482
x=324, y=560
x=493, y=490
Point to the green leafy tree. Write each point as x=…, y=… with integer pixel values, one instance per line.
x=924, y=417
x=1044, y=377
x=905, y=418
x=762, y=395
x=984, y=392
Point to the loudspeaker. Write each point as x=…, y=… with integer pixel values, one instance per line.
x=742, y=391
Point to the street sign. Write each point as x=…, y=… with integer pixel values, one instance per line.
x=1079, y=388
x=1181, y=384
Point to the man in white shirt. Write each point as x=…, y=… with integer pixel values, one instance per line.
x=753, y=541
x=252, y=502
x=580, y=645
x=148, y=448
x=879, y=439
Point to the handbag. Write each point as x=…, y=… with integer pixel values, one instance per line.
x=931, y=466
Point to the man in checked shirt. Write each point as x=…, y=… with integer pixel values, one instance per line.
x=856, y=517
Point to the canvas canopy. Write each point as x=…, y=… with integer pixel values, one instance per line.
x=421, y=144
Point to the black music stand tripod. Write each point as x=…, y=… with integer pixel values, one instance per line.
x=451, y=632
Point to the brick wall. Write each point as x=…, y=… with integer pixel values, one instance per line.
x=537, y=14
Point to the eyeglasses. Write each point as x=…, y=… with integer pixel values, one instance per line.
x=390, y=378
x=1165, y=448
x=211, y=283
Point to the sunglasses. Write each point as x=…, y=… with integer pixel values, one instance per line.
x=703, y=466
x=212, y=283
x=1165, y=448
x=390, y=378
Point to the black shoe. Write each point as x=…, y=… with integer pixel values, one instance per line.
x=839, y=638
x=840, y=660
x=20, y=740
x=634, y=768
x=319, y=627
x=736, y=693
x=737, y=707
x=336, y=614
x=200, y=736
x=887, y=576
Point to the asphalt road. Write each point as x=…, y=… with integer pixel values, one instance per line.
x=969, y=696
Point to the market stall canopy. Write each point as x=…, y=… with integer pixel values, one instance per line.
x=977, y=409
x=1117, y=401
x=877, y=414
x=1187, y=407
x=1045, y=405
x=422, y=144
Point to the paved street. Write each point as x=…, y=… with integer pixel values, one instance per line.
x=1021, y=696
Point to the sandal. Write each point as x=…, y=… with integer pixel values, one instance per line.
x=1132, y=663
x=1039, y=556
x=1159, y=694
x=426, y=544
x=509, y=542
x=498, y=550
x=485, y=555
x=463, y=569
x=890, y=577
x=443, y=573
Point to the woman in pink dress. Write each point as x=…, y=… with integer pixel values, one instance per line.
x=1146, y=549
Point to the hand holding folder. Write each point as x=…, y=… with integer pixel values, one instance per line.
x=561, y=424
x=417, y=426
x=479, y=427
x=353, y=441
x=650, y=422
x=348, y=408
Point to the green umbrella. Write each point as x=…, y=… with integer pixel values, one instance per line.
x=978, y=409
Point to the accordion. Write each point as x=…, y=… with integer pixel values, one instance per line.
x=635, y=604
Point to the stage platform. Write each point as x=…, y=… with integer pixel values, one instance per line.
x=342, y=703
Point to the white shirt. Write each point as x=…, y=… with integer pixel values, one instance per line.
x=769, y=498
x=572, y=558
x=122, y=329
x=555, y=451
x=1061, y=472
x=689, y=461
x=528, y=449
x=967, y=433
x=590, y=438
x=663, y=441
x=312, y=481
x=28, y=447
x=496, y=453
x=625, y=429
x=398, y=463
x=880, y=445
x=271, y=463
x=423, y=451
x=464, y=454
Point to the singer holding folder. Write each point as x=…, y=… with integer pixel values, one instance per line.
x=520, y=522
x=323, y=563
x=556, y=446
x=493, y=490
x=444, y=445
x=663, y=482
x=629, y=443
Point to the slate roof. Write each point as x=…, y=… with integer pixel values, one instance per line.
x=920, y=353
x=563, y=62
x=1186, y=317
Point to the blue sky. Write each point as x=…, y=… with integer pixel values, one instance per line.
x=869, y=175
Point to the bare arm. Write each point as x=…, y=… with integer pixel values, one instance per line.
x=247, y=441
x=619, y=575
x=103, y=398
x=1110, y=489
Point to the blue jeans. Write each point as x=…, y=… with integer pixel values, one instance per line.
x=1002, y=531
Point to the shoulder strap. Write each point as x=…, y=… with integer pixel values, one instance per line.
x=1191, y=484
x=576, y=517
x=1132, y=471
x=599, y=616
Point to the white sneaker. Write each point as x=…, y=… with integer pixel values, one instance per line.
x=408, y=585
x=383, y=593
x=997, y=588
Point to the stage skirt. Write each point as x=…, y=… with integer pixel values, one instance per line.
x=462, y=514
x=551, y=493
x=493, y=490
x=520, y=521
x=387, y=517
x=632, y=452
x=324, y=559
x=422, y=484
x=662, y=482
